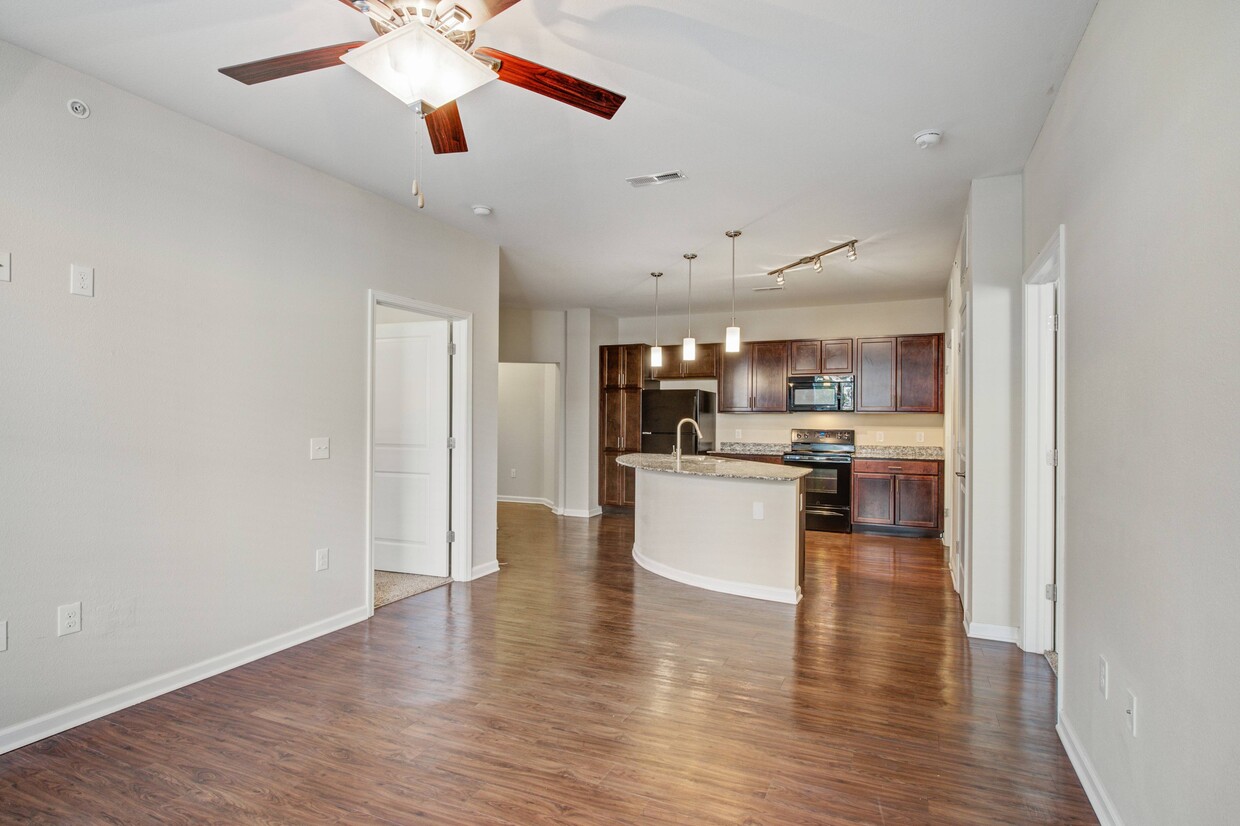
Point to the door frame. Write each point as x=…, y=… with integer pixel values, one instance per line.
x=460, y=508
x=1043, y=511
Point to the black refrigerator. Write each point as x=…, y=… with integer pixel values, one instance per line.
x=662, y=409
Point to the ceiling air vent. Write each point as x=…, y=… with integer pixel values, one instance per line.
x=660, y=178
x=768, y=289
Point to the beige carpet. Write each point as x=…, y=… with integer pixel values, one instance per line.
x=390, y=586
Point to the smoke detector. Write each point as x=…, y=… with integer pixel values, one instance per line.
x=481, y=209
x=928, y=138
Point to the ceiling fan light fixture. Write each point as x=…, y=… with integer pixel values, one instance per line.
x=417, y=65
x=817, y=265
x=852, y=251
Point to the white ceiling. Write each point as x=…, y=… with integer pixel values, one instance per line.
x=793, y=120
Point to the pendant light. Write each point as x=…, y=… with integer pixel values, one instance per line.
x=688, y=350
x=732, y=336
x=656, y=352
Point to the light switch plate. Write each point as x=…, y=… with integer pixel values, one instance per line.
x=82, y=280
x=321, y=448
x=6, y=268
x=759, y=510
x=4, y=635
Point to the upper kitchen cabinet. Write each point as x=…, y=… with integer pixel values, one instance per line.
x=900, y=374
x=814, y=358
x=705, y=366
x=755, y=380
x=622, y=365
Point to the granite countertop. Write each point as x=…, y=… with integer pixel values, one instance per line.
x=863, y=451
x=899, y=452
x=711, y=466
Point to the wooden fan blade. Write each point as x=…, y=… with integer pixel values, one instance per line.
x=494, y=7
x=444, y=126
x=261, y=71
x=556, y=85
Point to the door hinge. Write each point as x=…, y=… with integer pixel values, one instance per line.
x=1052, y=457
x=451, y=443
x=451, y=348
x=1052, y=592
x=1052, y=323
x=451, y=537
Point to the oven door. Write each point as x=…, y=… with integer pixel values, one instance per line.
x=828, y=491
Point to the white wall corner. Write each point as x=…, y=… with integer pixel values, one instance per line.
x=998, y=633
x=1094, y=790
x=485, y=569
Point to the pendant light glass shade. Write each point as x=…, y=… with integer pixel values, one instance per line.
x=732, y=336
x=656, y=352
x=688, y=347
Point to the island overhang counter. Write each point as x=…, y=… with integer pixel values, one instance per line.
x=725, y=525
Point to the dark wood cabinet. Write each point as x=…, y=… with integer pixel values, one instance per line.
x=621, y=369
x=919, y=374
x=755, y=380
x=903, y=495
x=705, y=366
x=900, y=374
x=876, y=374
x=814, y=358
x=622, y=365
x=768, y=458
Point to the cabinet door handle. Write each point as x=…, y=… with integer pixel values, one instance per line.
x=618, y=438
x=895, y=467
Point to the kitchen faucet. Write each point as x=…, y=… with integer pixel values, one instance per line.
x=679, y=426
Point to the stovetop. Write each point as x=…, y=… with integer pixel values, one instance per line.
x=823, y=442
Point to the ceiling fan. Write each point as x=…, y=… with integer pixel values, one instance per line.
x=423, y=56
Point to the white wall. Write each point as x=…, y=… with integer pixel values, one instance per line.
x=155, y=438
x=529, y=400
x=994, y=292
x=835, y=321
x=1138, y=160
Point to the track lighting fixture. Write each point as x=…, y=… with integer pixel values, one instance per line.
x=656, y=352
x=688, y=349
x=732, y=335
x=816, y=260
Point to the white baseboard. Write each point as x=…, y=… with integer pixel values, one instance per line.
x=1098, y=797
x=528, y=500
x=485, y=568
x=998, y=633
x=22, y=734
x=790, y=596
x=582, y=514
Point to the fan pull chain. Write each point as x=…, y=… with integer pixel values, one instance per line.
x=417, y=168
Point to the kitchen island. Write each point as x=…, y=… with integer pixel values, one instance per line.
x=725, y=525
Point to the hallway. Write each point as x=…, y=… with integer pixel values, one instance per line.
x=576, y=686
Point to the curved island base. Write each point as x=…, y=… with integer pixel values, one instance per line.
x=725, y=525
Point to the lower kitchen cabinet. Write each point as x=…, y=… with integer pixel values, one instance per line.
x=899, y=495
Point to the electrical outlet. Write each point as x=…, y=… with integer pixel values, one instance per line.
x=6, y=265
x=921, y=436
x=82, y=280
x=1103, y=677
x=738, y=434
x=322, y=559
x=513, y=473
x=1130, y=714
x=759, y=510
x=879, y=436
x=69, y=619
x=321, y=448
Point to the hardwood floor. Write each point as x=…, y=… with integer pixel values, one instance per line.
x=576, y=687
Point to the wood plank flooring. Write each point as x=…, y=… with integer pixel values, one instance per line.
x=576, y=687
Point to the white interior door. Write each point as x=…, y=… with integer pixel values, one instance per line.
x=963, y=434
x=412, y=410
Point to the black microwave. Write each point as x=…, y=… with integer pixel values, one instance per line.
x=820, y=393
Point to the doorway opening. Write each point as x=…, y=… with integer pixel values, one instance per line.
x=530, y=453
x=419, y=484
x=1042, y=602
